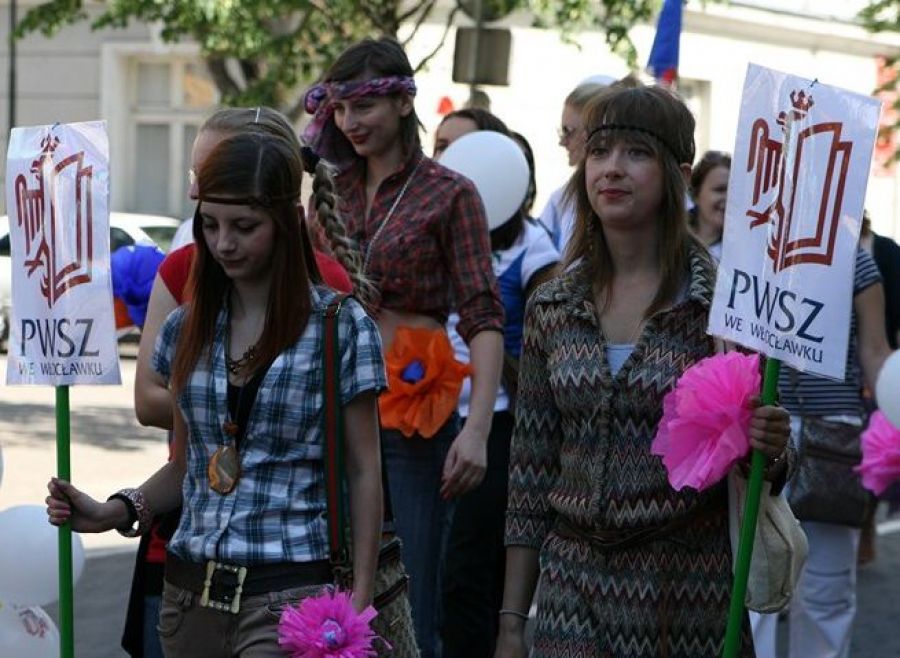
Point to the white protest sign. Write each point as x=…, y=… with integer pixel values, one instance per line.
x=795, y=202
x=57, y=194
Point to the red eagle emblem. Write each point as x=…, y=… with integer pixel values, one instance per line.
x=780, y=181
x=58, y=244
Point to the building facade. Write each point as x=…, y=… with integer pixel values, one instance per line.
x=155, y=95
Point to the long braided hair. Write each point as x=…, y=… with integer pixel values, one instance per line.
x=328, y=216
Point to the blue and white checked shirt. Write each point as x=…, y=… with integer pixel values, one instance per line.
x=277, y=511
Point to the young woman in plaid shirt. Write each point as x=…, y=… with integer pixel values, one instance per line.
x=244, y=361
x=423, y=239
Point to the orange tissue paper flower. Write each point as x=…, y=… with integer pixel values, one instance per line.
x=424, y=381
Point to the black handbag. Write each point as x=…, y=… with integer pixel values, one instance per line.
x=825, y=487
x=394, y=622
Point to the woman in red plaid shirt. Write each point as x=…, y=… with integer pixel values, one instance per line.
x=423, y=239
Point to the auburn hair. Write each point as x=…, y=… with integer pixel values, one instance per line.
x=657, y=119
x=264, y=172
x=375, y=58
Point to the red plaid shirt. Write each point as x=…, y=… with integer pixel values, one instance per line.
x=435, y=252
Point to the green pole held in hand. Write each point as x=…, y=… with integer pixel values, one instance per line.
x=64, y=472
x=736, y=612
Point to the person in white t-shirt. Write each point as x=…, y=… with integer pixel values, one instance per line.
x=558, y=216
x=523, y=257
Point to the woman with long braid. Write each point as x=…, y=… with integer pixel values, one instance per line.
x=423, y=237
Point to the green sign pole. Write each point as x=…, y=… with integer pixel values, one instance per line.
x=736, y=612
x=64, y=472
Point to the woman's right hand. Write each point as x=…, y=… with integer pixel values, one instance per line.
x=67, y=503
x=511, y=641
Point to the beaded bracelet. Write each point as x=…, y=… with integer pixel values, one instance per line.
x=138, y=510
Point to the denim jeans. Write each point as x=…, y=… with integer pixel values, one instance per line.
x=152, y=647
x=476, y=556
x=422, y=520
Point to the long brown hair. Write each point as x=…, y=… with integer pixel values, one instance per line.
x=262, y=171
x=657, y=119
x=375, y=58
x=265, y=121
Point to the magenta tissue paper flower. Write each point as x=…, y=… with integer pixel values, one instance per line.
x=880, y=444
x=705, y=426
x=327, y=626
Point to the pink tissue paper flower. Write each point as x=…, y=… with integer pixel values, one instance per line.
x=880, y=444
x=327, y=626
x=705, y=426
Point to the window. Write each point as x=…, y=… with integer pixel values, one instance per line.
x=169, y=98
x=695, y=94
x=118, y=238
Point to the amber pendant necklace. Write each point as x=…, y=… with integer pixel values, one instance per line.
x=224, y=468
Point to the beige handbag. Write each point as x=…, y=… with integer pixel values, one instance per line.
x=779, y=549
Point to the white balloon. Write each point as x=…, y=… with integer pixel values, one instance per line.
x=497, y=166
x=27, y=631
x=887, y=389
x=28, y=556
x=599, y=79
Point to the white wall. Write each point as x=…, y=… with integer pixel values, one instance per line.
x=58, y=79
x=79, y=75
x=716, y=45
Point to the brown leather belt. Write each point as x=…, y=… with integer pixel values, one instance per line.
x=221, y=585
x=608, y=541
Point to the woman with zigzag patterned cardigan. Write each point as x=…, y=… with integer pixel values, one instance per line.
x=628, y=566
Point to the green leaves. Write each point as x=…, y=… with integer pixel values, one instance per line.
x=881, y=16
x=614, y=17
x=263, y=51
x=884, y=16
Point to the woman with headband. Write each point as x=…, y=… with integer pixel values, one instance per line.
x=152, y=401
x=423, y=238
x=628, y=566
x=244, y=362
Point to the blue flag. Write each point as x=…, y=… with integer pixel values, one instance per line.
x=663, y=62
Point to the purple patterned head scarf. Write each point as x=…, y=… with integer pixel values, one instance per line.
x=321, y=133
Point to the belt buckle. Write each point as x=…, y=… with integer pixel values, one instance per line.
x=220, y=600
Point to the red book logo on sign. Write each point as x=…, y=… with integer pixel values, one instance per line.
x=777, y=164
x=61, y=255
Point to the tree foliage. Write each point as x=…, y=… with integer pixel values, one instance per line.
x=881, y=15
x=263, y=51
x=884, y=16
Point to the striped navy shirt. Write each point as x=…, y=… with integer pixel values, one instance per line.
x=812, y=395
x=277, y=511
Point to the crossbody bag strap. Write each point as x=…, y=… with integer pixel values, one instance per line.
x=336, y=502
x=336, y=511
